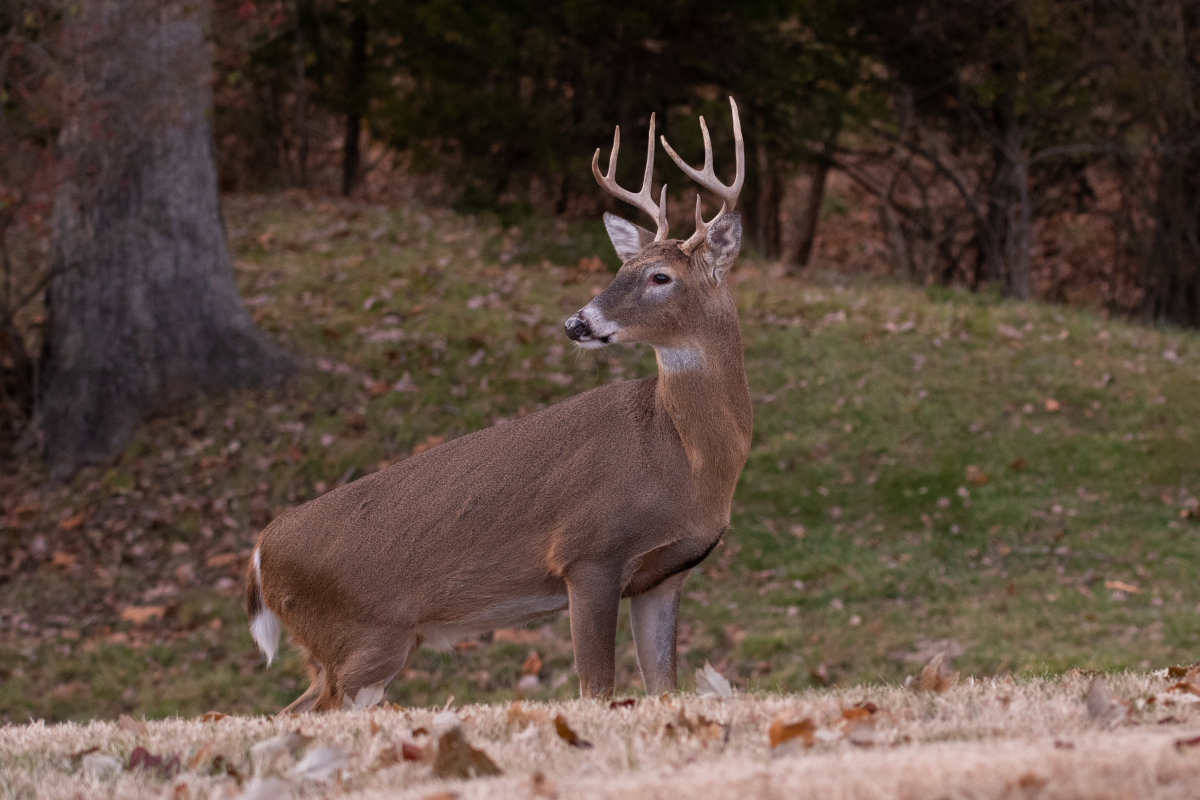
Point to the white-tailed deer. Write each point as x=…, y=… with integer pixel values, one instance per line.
x=616, y=492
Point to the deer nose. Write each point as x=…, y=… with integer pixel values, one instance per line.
x=577, y=328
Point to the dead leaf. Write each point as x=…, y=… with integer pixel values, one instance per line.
x=976, y=476
x=321, y=764
x=628, y=702
x=532, y=665
x=518, y=717
x=71, y=523
x=140, y=615
x=785, y=728
x=569, y=736
x=862, y=710
x=141, y=758
x=1191, y=742
x=1017, y=466
x=221, y=560
x=710, y=683
x=861, y=731
x=1121, y=586
x=541, y=786
x=702, y=727
x=65, y=691
x=62, y=559
x=130, y=725
x=211, y=716
x=1031, y=780
x=410, y=752
x=1102, y=707
x=458, y=759
x=820, y=674
x=1052, y=405
x=937, y=677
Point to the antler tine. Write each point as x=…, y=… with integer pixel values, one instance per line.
x=707, y=177
x=643, y=199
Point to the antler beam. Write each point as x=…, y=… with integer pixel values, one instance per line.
x=642, y=199
x=707, y=178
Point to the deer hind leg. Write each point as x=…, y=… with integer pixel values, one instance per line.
x=316, y=685
x=360, y=680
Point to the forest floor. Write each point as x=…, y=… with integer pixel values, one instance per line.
x=997, y=738
x=1013, y=484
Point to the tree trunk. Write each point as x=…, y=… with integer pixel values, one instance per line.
x=145, y=311
x=799, y=213
x=1171, y=277
x=356, y=79
x=301, y=105
x=766, y=213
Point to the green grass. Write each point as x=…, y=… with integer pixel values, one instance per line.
x=859, y=541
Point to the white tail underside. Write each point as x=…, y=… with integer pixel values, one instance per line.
x=265, y=627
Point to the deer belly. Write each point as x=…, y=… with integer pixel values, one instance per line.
x=502, y=614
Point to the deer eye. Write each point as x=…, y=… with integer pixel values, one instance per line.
x=661, y=279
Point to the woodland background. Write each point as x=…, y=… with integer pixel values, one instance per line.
x=397, y=190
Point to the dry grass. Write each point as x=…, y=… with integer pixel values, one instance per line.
x=995, y=738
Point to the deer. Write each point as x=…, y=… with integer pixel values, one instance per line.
x=616, y=492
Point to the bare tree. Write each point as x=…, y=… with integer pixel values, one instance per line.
x=143, y=309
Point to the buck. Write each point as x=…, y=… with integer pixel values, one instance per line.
x=616, y=492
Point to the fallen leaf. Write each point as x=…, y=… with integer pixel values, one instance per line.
x=518, y=717
x=269, y=752
x=862, y=710
x=130, y=725
x=569, y=736
x=1121, y=586
x=221, y=560
x=458, y=759
x=1031, y=780
x=785, y=728
x=141, y=758
x=976, y=476
x=71, y=523
x=410, y=752
x=211, y=716
x=540, y=785
x=1191, y=742
x=62, y=559
x=532, y=665
x=1052, y=405
x=861, y=731
x=140, y=615
x=702, y=727
x=710, y=683
x=936, y=677
x=820, y=674
x=628, y=702
x=1102, y=707
x=1017, y=466
x=321, y=764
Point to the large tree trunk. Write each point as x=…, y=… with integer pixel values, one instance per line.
x=356, y=80
x=145, y=311
x=1171, y=277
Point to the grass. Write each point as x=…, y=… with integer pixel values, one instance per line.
x=997, y=738
x=931, y=470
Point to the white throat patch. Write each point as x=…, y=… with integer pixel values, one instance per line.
x=679, y=359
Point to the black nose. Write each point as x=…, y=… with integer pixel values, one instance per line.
x=577, y=329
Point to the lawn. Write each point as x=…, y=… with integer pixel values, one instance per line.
x=932, y=470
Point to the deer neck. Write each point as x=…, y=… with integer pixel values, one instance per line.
x=703, y=391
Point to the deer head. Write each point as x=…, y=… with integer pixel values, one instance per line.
x=666, y=289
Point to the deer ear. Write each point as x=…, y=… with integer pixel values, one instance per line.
x=627, y=238
x=722, y=245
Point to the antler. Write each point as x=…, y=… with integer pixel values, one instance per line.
x=642, y=199
x=708, y=179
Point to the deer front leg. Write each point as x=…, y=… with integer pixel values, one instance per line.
x=653, y=615
x=595, y=598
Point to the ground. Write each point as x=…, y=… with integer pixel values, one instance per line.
x=996, y=738
x=932, y=470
